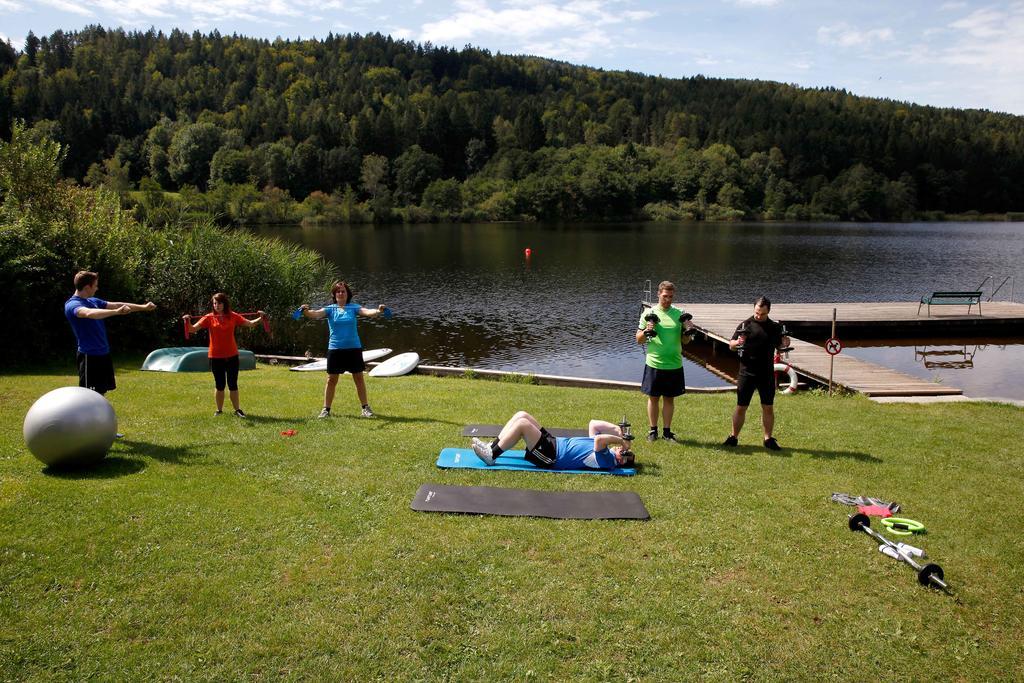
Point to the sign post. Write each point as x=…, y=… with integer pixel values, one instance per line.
x=833, y=346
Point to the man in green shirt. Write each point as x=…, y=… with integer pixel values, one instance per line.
x=661, y=329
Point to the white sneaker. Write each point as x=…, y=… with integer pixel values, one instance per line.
x=366, y=412
x=326, y=412
x=483, y=451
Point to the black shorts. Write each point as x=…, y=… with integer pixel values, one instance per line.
x=345, y=360
x=545, y=452
x=763, y=382
x=96, y=373
x=663, y=382
x=225, y=371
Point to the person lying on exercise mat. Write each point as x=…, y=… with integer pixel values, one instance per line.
x=605, y=449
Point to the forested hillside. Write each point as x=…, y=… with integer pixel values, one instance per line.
x=371, y=127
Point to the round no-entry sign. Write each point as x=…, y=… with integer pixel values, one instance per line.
x=833, y=346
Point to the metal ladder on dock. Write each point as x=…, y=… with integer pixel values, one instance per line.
x=1008, y=278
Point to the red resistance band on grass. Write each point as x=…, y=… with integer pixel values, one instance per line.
x=875, y=510
x=266, y=322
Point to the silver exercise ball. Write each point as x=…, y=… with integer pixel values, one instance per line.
x=70, y=426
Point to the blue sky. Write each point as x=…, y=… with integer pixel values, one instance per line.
x=943, y=52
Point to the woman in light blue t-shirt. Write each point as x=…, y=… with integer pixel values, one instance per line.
x=344, y=349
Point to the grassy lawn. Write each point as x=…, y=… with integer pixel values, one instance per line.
x=216, y=549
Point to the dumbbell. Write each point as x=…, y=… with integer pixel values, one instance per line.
x=785, y=333
x=929, y=575
x=744, y=331
x=685, y=318
x=627, y=433
x=651, y=318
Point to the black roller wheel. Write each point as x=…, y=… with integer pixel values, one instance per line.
x=927, y=572
x=858, y=521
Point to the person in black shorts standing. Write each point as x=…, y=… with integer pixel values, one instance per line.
x=661, y=330
x=757, y=339
x=344, y=348
x=87, y=314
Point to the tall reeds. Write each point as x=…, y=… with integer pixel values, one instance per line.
x=49, y=231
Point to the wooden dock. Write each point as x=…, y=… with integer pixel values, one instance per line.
x=879, y=319
x=857, y=320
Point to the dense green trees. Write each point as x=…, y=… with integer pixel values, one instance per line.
x=51, y=228
x=372, y=123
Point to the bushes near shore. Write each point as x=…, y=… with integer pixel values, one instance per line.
x=50, y=229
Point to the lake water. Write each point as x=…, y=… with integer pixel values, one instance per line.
x=467, y=295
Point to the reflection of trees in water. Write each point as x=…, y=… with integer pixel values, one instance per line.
x=456, y=340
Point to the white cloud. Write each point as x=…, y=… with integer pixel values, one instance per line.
x=11, y=6
x=569, y=30
x=638, y=15
x=950, y=6
x=73, y=7
x=844, y=35
x=992, y=40
x=981, y=59
x=221, y=10
x=571, y=48
x=402, y=33
x=475, y=18
x=16, y=43
x=134, y=10
x=205, y=12
x=757, y=3
x=983, y=23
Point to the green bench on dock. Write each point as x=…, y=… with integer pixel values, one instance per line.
x=968, y=299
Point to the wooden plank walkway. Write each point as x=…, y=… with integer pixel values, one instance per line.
x=1004, y=316
x=718, y=321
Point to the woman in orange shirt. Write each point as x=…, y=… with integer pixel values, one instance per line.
x=223, y=349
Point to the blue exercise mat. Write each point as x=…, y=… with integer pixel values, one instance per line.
x=452, y=458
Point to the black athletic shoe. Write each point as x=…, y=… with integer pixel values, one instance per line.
x=668, y=435
x=771, y=444
x=652, y=435
x=239, y=413
x=731, y=441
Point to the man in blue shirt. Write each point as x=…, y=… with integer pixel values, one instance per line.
x=605, y=448
x=86, y=313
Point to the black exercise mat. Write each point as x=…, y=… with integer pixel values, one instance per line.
x=487, y=500
x=492, y=431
